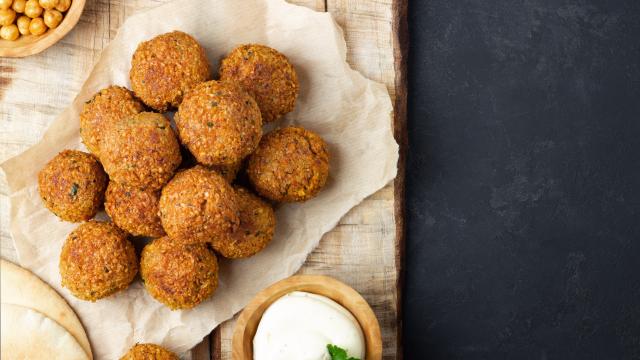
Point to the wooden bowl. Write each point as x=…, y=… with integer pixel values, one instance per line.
x=27, y=45
x=242, y=343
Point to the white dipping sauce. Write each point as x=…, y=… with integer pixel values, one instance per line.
x=299, y=325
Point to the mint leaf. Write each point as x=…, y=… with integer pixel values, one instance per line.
x=338, y=353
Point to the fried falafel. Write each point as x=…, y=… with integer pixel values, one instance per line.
x=290, y=164
x=219, y=123
x=105, y=108
x=133, y=210
x=141, y=151
x=149, y=352
x=266, y=74
x=257, y=225
x=72, y=185
x=164, y=68
x=196, y=205
x=179, y=275
x=97, y=260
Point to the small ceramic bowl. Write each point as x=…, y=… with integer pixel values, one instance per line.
x=27, y=45
x=245, y=330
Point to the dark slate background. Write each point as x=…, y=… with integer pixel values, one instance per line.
x=523, y=183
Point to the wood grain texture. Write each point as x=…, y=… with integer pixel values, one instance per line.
x=364, y=250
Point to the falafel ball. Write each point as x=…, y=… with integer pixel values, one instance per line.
x=149, y=352
x=164, y=68
x=141, y=151
x=179, y=275
x=266, y=74
x=198, y=204
x=97, y=260
x=133, y=210
x=72, y=185
x=107, y=107
x=257, y=225
x=219, y=123
x=290, y=164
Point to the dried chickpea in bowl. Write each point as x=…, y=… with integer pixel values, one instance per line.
x=7, y=17
x=9, y=32
x=48, y=4
x=30, y=17
x=37, y=26
x=19, y=5
x=63, y=5
x=52, y=18
x=33, y=9
x=23, y=24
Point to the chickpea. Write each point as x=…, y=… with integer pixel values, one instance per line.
x=5, y=4
x=23, y=24
x=52, y=18
x=37, y=26
x=7, y=16
x=48, y=4
x=32, y=9
x=9, y=32
x=63, y=5
x=18, y=5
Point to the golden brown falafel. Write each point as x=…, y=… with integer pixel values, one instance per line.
x=141, y=151
x=164, y=68
x=179, y=275
x=72, y=185
x=266, y=74
x=290, y=164
x=133, y=210
x=149, y=352
x=219, y=123
x=107, y=107
x=257, y=225
x=97, y=260
x=198, y=204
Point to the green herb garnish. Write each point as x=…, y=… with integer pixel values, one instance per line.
x=338, y=353
x=209, y=124
x=74, y=189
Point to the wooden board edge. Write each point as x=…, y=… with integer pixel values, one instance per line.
x=400, y=28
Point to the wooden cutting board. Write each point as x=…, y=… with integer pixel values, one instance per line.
x=365, y=250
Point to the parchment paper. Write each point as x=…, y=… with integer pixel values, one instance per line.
x=351, y=113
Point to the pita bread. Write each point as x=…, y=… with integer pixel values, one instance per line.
x=21, y=287
x=27, y=334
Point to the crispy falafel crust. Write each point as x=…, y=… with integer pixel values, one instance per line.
x=257, y=225
x=97, y=260
x=141, y=151
x=219, y=123
x=164, y=68
x=149, y=352
x=290, y=164
x=198, y=204
x=105, y=108
x=72, y=185
x=178, y=275
x=133, y=210
x=266, y=74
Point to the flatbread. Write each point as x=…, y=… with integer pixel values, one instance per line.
x=28, y=334
x=21, y=287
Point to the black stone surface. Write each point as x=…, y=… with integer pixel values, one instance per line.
x=523, y=183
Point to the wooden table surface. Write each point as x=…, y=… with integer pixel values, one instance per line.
x=365, y=250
